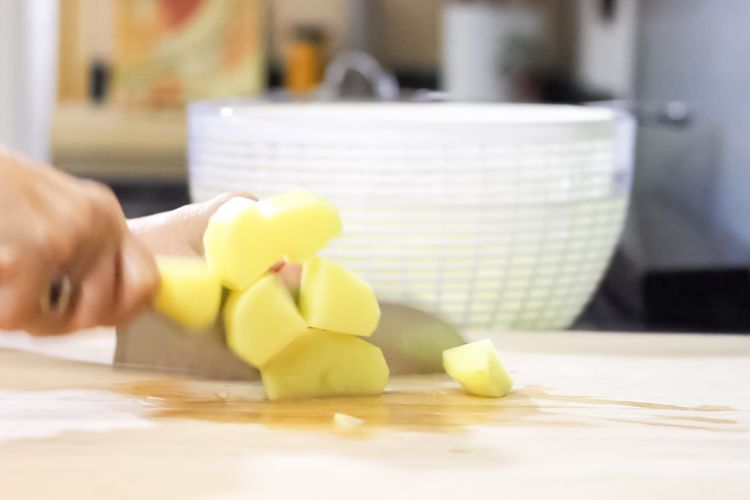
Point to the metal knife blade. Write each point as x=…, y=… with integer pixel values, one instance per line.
x=412, y=342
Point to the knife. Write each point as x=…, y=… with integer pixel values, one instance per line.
x=412, y=342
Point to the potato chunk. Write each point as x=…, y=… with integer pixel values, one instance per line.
x=334, y=299
x=476, y=366
x=324, y=364
x=244, y=238
x=305, y=223
x=240, y=243
x=261, y=321
x=189, y=293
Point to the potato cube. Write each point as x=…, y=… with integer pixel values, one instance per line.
x=244, y=238
x=346, y=422
x=334, y=299
x=261, y=321
x=241, y=243
x=324, y=364
x=189, y=293
x=477, y=368
x=305, y=222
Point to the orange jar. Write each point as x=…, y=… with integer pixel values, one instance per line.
x=304, y=60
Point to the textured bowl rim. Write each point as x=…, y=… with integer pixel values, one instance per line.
x=430, y=113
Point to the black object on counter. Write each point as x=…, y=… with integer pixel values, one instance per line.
x=99, y=77
x=712, y=300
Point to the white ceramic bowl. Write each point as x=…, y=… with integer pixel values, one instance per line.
x=489, y=215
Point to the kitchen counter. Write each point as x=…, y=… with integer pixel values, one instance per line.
x=592, y=416
x=116, y=145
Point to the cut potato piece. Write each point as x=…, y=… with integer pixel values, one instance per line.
x=477, y=368
x=189, y=293
x=324, y=364
x=244, y=238
x=305, y=222
x=346, y=422
x=261, y=321
x=240, y=242
x=334, y=299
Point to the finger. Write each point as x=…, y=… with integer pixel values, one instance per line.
x=138, y=280
x=217, y=201
x=94, y=302
x=18, y=309
x=24, y=283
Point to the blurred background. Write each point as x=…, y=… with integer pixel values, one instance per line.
x=99, y=88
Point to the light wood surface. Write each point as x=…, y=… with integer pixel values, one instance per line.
x=599, y=416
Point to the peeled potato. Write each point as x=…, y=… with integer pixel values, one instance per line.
x=240, y=242
x=335, y=299
x=189, y=293
x=324, y=364
x=477, y=368
x=346, y=422
x=305, y=222
x=261, y=321
x=244, y=238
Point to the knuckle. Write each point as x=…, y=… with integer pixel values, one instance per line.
x=102, y=207
x=103, y=195
x=99, y=195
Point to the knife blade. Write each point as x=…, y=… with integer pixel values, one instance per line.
x=412, y=342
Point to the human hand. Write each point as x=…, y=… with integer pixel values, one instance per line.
x=55, y=227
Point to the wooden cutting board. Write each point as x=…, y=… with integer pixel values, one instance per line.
x=600, y=416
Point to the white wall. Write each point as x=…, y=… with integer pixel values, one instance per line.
x=605, y=56
x=10, y=61
x=28, y=51
x=698, y=52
